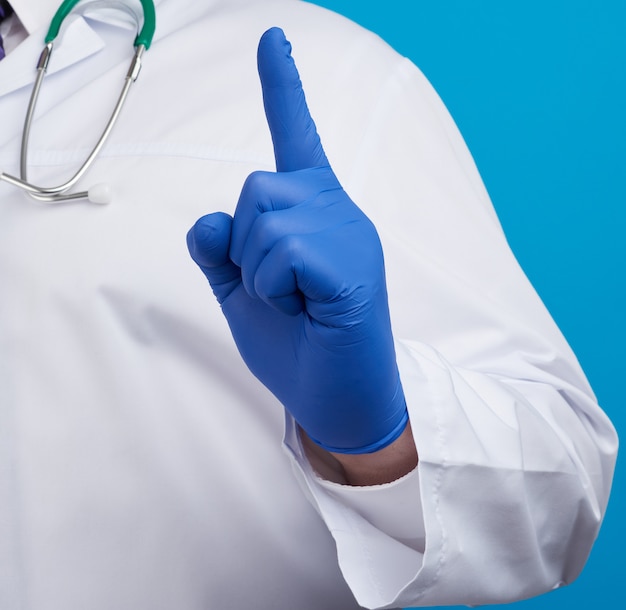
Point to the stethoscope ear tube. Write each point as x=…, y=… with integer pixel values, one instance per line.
x=144, y=38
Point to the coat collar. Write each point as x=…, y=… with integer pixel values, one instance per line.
x=77, y=41
x=18, y=69
x=35, y=15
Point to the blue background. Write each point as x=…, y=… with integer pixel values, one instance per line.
x=538, y=89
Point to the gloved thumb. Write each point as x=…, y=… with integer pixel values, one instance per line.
x=208, y=242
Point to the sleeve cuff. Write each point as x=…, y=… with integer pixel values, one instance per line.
x=378, y=530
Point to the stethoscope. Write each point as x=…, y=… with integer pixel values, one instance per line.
x=100, y=193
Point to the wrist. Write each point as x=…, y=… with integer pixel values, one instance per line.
x=383, y=466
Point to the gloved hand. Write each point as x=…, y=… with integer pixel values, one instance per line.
x=300, y=277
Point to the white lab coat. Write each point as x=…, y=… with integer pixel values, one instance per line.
x=141, y=464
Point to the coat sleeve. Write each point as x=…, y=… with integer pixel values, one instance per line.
x=515, y=456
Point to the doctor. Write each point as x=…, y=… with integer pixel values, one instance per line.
x=142, y=465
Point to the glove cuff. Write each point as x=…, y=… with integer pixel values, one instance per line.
x=372, y=447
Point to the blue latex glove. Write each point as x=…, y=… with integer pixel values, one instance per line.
x=300, y=277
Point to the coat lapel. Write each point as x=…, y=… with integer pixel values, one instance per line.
x=18, y=69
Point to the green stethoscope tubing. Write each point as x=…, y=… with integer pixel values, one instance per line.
x=98, y=193
x=143, y=38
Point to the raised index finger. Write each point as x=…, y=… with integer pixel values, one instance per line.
x=296, y=142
